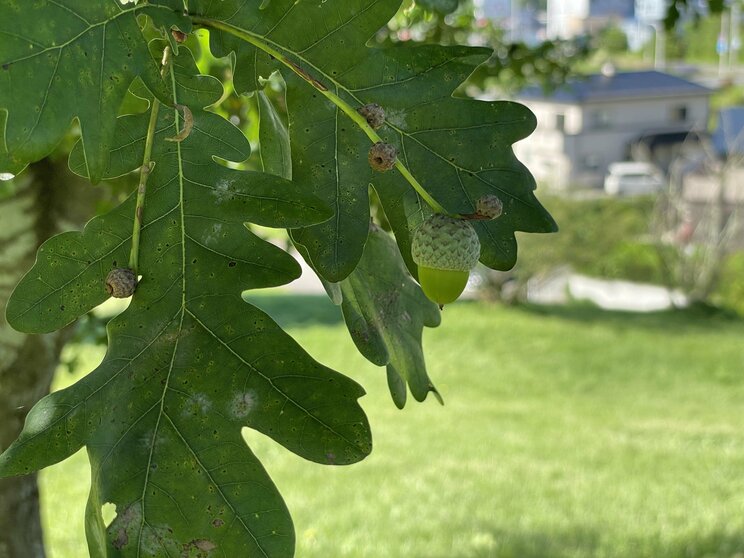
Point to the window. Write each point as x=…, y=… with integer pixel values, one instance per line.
x=600, y=119
x=560, y=122
x=590, y=163
x=679, y=113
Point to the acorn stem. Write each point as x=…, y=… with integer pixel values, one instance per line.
x=145, y=170
x=350, y=111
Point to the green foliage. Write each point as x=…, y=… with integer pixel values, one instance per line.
x=511, y=67
x=179, y=406
x=601, y=237
x=98, y=47
x=613, y=39
x=610, y=238
x=695, y=9
x=695, y=38
x=189, y=363
x=730, y=290
x=633, y=260
x=705, y=33
x=432, y=130
x=441, y=6
x=727, y=96
x=386, y=313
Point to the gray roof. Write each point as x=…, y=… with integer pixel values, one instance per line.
x=598, y=87
x=728, y=137
x=623, y=8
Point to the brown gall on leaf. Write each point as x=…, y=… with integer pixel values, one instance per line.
x=382, y=156
x=374, y=114
x=121, y=283
x=487, y=208
x=490, y=206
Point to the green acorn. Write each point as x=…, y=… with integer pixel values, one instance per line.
x=445, y=250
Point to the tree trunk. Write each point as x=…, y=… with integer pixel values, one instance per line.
x=46, y=198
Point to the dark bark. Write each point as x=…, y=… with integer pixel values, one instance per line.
x=24, y=382
x=46, y=199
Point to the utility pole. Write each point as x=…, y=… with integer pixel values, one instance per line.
x=735, y=43
x=660, y=46
x=722, y=46
x=651, y=13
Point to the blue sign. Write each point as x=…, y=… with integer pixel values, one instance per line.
x=721, y=45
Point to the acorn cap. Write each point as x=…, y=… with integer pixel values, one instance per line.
x=442, y=242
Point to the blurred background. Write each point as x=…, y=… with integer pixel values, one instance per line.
x=593, y=394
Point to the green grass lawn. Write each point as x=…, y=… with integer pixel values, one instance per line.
x=566, y=433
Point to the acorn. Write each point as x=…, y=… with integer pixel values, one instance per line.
x=445, y=250
x=121, y=283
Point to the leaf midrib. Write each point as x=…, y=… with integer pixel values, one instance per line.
x=184, y=310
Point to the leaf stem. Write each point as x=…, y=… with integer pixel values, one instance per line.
x=145, y=170
x=350, y=111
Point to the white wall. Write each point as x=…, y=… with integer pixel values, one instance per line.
x=650, y=11
x=597, y=134
x=566, y=18
x=644, y=114
x=543, y=152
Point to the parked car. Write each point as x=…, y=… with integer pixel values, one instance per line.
x=630, y=178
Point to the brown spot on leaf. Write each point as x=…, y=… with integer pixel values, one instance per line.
x=179, y=36
x=198, y=548
x=121, y=539
x=122, y=525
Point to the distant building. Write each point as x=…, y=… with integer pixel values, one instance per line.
x=590, y=123
x=650, y=11
x=567, y=19
x=494, y=9
x=519, y=20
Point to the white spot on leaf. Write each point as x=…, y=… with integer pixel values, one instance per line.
x=242, y=404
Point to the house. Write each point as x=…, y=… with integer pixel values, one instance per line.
x=592, y=122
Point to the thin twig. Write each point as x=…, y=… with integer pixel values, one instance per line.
x=145, y=170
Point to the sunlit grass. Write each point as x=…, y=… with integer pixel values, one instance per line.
x=566, y=433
